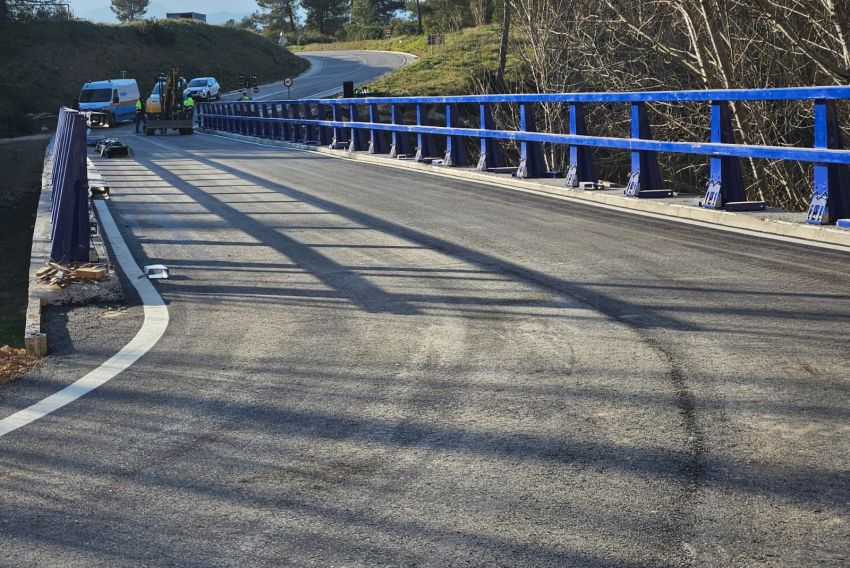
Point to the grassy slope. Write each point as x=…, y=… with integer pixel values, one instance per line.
x=43, y=65
x=450, y=69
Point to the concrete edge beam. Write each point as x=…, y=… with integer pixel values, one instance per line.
x=35, y=341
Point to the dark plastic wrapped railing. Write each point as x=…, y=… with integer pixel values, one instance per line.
x=70, y=233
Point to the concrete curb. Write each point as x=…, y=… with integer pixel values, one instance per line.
x=38, y=294
x=34, y=340
x=771, y=222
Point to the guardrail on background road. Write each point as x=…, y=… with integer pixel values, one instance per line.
x=337, y=123
x=70, y=233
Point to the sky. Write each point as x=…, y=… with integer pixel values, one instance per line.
x=82, y=7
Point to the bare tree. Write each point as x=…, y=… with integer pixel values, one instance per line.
x=620, y=45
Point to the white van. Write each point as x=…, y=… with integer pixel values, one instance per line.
x=115, y=98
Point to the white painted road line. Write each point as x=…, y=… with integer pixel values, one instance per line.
x=154, y=325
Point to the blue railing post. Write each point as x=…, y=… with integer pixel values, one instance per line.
x=295, y=127
x=377, y=139
x=324, y=133
x=725, y=181
x=645, y=176
x=275, y=124
x=483, y=113
x=831, y=197
x=447, y=159
x=523, y=146
x=490, y=156
x=818, y=213
x=352, y=137
x=397, y=147
x=339, y=140
x=287, y=127
x=420, y=138
x=581, y=166
x=531, y=163
x=358, y=138
x=455, y=149
x=425, y=142
x=713, y=198
x=255, y=122
x=309, y=128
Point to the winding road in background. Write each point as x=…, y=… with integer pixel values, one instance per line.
x=368, y=367
x=328, y=70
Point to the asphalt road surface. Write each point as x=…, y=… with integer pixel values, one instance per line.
x=328, y=70
x=372, y=367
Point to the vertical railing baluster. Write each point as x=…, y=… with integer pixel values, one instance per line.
x=420, y=137
x=394, y=148
x=819, y=213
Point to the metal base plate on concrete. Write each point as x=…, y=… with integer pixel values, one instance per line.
x=654, y=193
x=745, y=206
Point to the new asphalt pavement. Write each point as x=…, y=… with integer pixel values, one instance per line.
x=372, y=367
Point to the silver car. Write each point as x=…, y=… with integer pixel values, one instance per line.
x=203, y=89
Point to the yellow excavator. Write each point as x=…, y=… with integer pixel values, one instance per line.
x=164, y=108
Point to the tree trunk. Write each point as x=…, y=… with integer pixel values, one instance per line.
x=418, y=18
x=291, y=18
x=503, y=47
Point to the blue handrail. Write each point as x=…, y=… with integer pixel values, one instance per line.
x=830, y=199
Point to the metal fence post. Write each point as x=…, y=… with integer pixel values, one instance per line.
x=309, y=128
x=394, y=119
x=490, y=155
x=324, y=135
x=447, y=158
x=339, y=139
x=818, y=213
x=425, y=142
x=296, y=127
x=377, y=138
x=725, y=181
x=455, y=148
x=581, y=166
x=531, y=163
x=253, y=112
x=645, y=176
x=420, y=138
x=831, y=196
x=358, y=138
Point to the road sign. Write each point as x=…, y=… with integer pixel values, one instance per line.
x=388, y=33
x=287, y=82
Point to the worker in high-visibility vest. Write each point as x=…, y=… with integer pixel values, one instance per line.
x=140, y=115
x=189, y=106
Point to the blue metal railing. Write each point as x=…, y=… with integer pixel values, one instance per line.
x=70, y=233
x=337, y=123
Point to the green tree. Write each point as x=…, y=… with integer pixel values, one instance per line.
x=33, y=10
x=373, y=12
x=326, y=16
x=129, y=10
x=279, y=15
